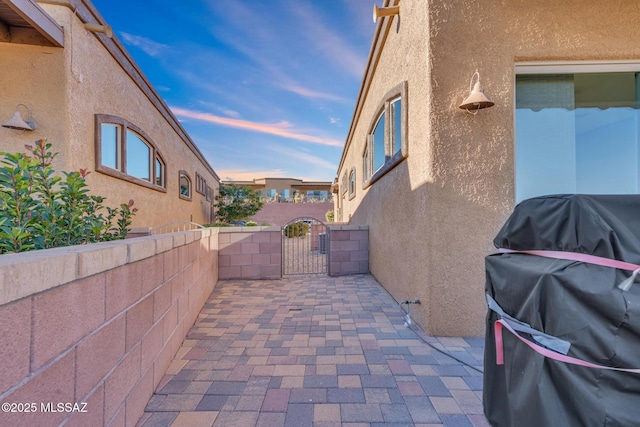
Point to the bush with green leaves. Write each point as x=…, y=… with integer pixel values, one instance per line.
x=235, y=203
x=329, y=216
x=296, y=229
x=40, y=209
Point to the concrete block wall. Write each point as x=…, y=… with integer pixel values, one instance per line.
x=250, y=253
x=98, y=324
x=348, y=249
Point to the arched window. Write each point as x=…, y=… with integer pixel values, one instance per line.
x=124, y=151
x=352, y=183
x=185, y=185
x=386, y=144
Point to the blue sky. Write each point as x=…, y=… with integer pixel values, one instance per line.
x=264, y=88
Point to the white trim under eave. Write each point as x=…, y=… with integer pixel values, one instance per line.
x=38, y=19
x=571, y=67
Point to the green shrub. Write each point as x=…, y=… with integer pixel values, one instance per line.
x=251, y=224
x=39, y=209
x=329, y=216
x=296, y=229
x=218, y=224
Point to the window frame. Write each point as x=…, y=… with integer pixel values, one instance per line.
x=351, y=182
x=201, y=185
x=123, y=127
x=163, y=170
x=345, y=183
x=392, y=159
x=534, y=68
x=189, y=196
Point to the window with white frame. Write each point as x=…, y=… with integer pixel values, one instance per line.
x=577, y=129
x=395, y=122
x=124, y=151
x=365, y=163
x=386, y=144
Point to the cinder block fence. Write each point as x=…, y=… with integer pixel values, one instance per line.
x=89, y=331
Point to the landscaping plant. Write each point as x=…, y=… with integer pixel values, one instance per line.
x=40, y=209
x=235, y=203
x=296, y=229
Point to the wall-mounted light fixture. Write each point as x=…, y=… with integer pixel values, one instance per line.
x=476, y=100
x=18, y=123
x=379, y=12
x=97, y=28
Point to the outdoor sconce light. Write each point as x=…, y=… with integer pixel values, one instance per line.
x=97, y=28
x=18, y=123
x=379, y=12
x=476, y=100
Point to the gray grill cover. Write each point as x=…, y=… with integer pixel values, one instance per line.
x=574, y=301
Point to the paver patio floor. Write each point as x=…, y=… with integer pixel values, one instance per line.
x=315, y=351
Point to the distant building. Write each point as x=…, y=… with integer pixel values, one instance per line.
x=61, y=70
x=288, y=190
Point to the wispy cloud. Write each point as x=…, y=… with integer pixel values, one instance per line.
x=304, y=157
x=148, y=46
x=310, y=93
x=282, y=128
x=330, y=42
x=249, y=175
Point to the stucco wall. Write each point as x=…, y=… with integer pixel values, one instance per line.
x=66, y=87
x=98, y=324
x=432, y=218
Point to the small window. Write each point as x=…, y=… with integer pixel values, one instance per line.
x=201, y=184
x=209, y=191
x=124, y=151
x=396, y=126
x=159, y=172
x=352, y=183
x=185, y=186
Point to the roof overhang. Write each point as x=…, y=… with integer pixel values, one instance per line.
x=24, y=22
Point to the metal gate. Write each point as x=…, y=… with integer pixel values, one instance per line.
x=304, y=247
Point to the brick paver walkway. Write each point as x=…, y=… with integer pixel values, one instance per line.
x=315, y=351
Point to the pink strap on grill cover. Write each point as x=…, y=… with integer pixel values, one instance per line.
x=499, y=324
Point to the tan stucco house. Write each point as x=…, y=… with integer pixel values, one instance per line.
x=288, y=189
x=64, y=71
x=435, y=182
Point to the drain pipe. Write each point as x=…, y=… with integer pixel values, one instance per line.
x=407, y=317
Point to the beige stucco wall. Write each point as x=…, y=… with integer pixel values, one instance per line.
x=433, y=217
x=33, y=76
x=68, y=86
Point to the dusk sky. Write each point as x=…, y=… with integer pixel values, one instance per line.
x=264, y=88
